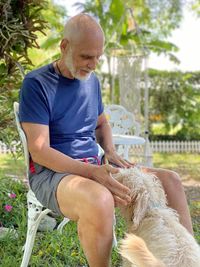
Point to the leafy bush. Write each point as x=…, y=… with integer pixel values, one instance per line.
x=12, y=202
x=20, y=21
x=175, y=103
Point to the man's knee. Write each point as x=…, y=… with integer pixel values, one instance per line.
x=170, y=179
x=98, y=214
x=101, y=203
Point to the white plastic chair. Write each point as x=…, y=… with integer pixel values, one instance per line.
x=36, y=211
x=126, y=132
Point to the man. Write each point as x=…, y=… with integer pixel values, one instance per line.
x=61, y=112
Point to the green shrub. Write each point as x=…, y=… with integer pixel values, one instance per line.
x=12, y=202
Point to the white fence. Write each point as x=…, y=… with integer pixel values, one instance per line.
x=156, y=146
x=5, y=149
x=176, y=146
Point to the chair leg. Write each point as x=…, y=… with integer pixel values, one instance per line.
x=114, y=243
x=62, y=224
x=35, y=215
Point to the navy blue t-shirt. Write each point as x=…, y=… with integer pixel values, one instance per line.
x=69, y=107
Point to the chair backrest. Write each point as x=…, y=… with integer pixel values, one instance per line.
x=22, y=137
x=121, y=120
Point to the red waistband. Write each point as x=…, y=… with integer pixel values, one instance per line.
x=91, y=160
x=32, y=167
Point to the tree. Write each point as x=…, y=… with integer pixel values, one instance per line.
x=20, y=22
x=135, y=25
x=175, y=103
x=156, y=20
x=49, y=44
x=194, y=6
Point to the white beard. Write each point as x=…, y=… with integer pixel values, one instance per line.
x=69, y=64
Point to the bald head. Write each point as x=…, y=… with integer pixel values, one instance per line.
x=81, y=47
x=82, y=26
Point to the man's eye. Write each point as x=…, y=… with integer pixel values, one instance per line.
x=86, y=57
x=90, y=58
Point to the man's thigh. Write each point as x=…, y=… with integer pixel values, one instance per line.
x=156, y=171
x=76, y=195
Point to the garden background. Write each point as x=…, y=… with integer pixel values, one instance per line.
x=29, y=37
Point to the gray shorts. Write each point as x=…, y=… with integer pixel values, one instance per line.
x=44, y=183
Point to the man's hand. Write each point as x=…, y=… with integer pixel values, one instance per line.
x=113, y=157
x=103, y=175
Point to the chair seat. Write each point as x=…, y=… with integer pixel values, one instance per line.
x=122, y=139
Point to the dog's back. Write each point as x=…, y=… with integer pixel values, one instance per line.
x=149, y=217
x=135, y=250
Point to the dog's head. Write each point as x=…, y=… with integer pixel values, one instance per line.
x=146, y=193
x=140, y=196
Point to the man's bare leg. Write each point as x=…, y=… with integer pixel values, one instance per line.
x=175, y=194
x=92, y=206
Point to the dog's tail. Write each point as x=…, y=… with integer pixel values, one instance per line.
x=135, y=250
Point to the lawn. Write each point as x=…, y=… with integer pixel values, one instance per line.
x=10, y=166
x=187, y=165
x=51, y=248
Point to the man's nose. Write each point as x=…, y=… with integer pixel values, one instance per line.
x=93, y=63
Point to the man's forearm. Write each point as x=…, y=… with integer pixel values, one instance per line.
x=57, y=161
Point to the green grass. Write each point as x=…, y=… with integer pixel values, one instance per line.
x=11, y=166
x=52, y=249
x=187, y=165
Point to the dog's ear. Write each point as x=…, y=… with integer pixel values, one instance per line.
x=132, y=178
x=140, y=206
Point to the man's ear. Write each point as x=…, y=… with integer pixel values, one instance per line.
x=64, y=45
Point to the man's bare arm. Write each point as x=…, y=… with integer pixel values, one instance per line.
x=43, y=154
x=104, y=134
x=104, y=138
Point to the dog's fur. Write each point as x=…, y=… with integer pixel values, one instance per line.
x=157, y=238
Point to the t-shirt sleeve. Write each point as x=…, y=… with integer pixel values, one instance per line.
x=100, y=103
x=34, y=105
